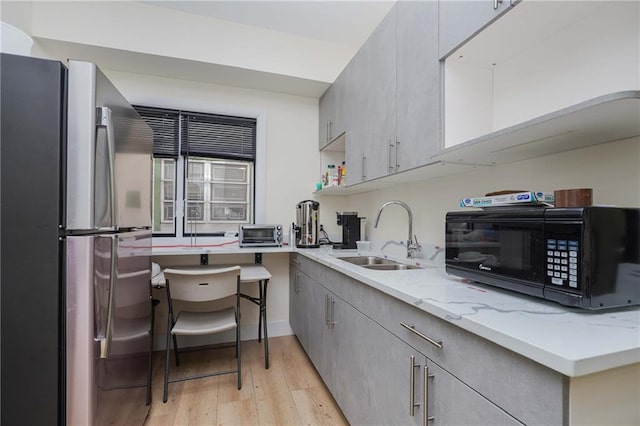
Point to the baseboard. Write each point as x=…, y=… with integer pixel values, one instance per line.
x=247, y=332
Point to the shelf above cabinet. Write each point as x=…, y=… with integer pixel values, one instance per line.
x=433, y=170
x=607, y=118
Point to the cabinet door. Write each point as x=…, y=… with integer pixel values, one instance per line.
x=418, y=85
x=332, y=111
x=324, y=117
x=370, y=370
x=461, y=20
x=371, y=82
x=451, y=402
x=307, y=315
x=380, y=91
x=296, y=310
x=357, y=136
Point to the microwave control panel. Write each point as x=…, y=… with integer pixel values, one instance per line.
x=562, y=263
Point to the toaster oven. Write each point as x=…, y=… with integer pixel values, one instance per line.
x=260, y=235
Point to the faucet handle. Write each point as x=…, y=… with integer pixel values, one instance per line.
x=413, y=247
x=416, y=245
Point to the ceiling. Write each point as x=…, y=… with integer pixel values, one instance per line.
x=343, y=22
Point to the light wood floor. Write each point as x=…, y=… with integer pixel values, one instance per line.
x=290, y=392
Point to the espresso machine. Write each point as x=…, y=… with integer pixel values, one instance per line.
x=306, y=226
x=350, y=223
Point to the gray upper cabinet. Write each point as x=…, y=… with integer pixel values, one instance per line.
x=417, y=85
x=332, y=111
x=371, y=104
x=461, y=20
x=391, y=95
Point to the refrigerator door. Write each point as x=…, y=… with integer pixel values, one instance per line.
x=109, y=156
x=108, y=328
x=31, y=144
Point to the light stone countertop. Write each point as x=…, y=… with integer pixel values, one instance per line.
x=571, y=341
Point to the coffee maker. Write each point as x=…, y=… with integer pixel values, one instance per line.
x=350, y=223
x=306, y=227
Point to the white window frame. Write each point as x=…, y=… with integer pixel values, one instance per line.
x=259, y=170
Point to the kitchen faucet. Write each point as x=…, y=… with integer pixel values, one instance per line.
x=412, y=247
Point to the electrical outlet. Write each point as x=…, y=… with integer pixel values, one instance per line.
x=321, y=228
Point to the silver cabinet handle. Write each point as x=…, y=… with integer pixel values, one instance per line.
x=332, y=307
x=425, y=397
x=496, y=3
x=364, y=160
x=412, y=384
x=326, y=309
x=412, y=328
x=296, y=285
x=397, y=163
x=105, y=120
x=330, y=129
x=389, y=162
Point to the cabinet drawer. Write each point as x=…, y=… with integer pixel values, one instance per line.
x=493, y=371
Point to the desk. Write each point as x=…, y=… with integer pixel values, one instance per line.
x=249, y=273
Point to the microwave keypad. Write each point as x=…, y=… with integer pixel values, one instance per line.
x=562, y=262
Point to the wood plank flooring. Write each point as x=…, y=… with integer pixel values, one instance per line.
x=290, y=392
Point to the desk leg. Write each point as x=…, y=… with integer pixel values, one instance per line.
x=263, y=309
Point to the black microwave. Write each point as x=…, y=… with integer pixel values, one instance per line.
x=580, y=257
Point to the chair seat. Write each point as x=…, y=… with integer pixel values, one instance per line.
x=197, y=323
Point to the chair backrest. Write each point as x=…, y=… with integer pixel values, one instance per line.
x=203, y=284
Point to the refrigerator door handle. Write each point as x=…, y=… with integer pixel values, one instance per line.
x=105, y=343
x=105, y=120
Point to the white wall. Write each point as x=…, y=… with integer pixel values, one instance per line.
x=612, y=170
x=606, y=398
x=291, y=129
x=145, y=28
x=17, y=13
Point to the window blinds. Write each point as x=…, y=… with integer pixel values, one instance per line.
x=199, y=134
x=165, y=126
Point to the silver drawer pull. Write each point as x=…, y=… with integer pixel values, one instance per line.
x=412, y=383
x=412, y=328
x=425, y=394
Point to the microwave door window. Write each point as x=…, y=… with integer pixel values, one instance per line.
x=520, y=254
x=508, y=249
x=471, y=243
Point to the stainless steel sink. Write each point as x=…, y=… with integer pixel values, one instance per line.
x=391, y=267
x=378, y=263
x=367, y=260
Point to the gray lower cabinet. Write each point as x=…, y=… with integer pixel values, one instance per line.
x=374, y=376
x=451, y=402
x=307, y=315
x=461, y=20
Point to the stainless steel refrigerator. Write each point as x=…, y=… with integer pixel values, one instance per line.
x=76, y=179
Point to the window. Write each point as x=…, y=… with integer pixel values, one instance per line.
x=203, y=171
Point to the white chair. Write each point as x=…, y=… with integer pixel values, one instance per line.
x=196, y=285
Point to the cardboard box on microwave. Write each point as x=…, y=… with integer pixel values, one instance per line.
x=516, y=198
